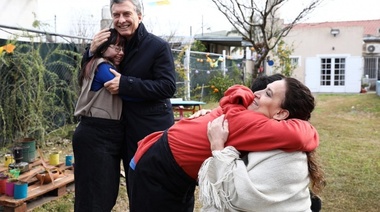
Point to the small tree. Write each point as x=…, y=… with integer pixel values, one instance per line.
x=282, y=55
x=198, y=46
x=258, y=23
x=219, y=83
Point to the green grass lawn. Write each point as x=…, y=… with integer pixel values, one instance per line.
x=349, y=129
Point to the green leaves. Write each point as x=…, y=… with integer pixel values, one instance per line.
x=38, y=87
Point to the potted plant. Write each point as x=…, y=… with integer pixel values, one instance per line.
x=365, y=84
x=13, y=175
x=364, y=88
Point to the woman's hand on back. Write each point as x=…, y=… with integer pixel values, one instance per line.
x=200, y=113
x=217, y=132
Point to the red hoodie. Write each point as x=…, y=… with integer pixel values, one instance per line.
x=248, y=131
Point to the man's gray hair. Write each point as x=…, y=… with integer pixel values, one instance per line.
x=137, y=3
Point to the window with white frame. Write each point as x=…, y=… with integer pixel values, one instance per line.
x=333, y=71
x=295, y=61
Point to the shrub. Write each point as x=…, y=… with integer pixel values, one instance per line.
x=36, y=98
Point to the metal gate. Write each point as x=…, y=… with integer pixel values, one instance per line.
x=372, y=69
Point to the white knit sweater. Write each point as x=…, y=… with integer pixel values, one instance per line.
x=271, y=181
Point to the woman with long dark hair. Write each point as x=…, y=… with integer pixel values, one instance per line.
x=98, y=138
x=273, y=180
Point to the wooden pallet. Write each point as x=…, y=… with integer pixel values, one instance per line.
x=56, y=188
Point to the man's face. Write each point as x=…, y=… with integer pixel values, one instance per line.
x=125, y=18
x=268, y=101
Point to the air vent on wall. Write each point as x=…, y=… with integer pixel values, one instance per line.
x=373, y=48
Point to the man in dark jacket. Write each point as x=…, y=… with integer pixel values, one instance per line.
x=147, y=76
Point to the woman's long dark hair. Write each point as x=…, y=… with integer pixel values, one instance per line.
x=114, y=39
x=299, y=100
x=300, y=103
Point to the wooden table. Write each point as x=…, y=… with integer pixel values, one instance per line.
x=181, y=106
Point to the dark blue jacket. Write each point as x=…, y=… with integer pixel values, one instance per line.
x=148, y=68
x=147, y=73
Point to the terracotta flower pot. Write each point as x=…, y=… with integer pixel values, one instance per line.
x=44, y=178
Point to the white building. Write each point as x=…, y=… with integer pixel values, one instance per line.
x=335, y=56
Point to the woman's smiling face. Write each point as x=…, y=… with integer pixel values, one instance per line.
x=269, y=100
x=114, y=53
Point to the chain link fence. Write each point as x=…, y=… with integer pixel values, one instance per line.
x=59, y=68
x=38, y=88
x=193, y=77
